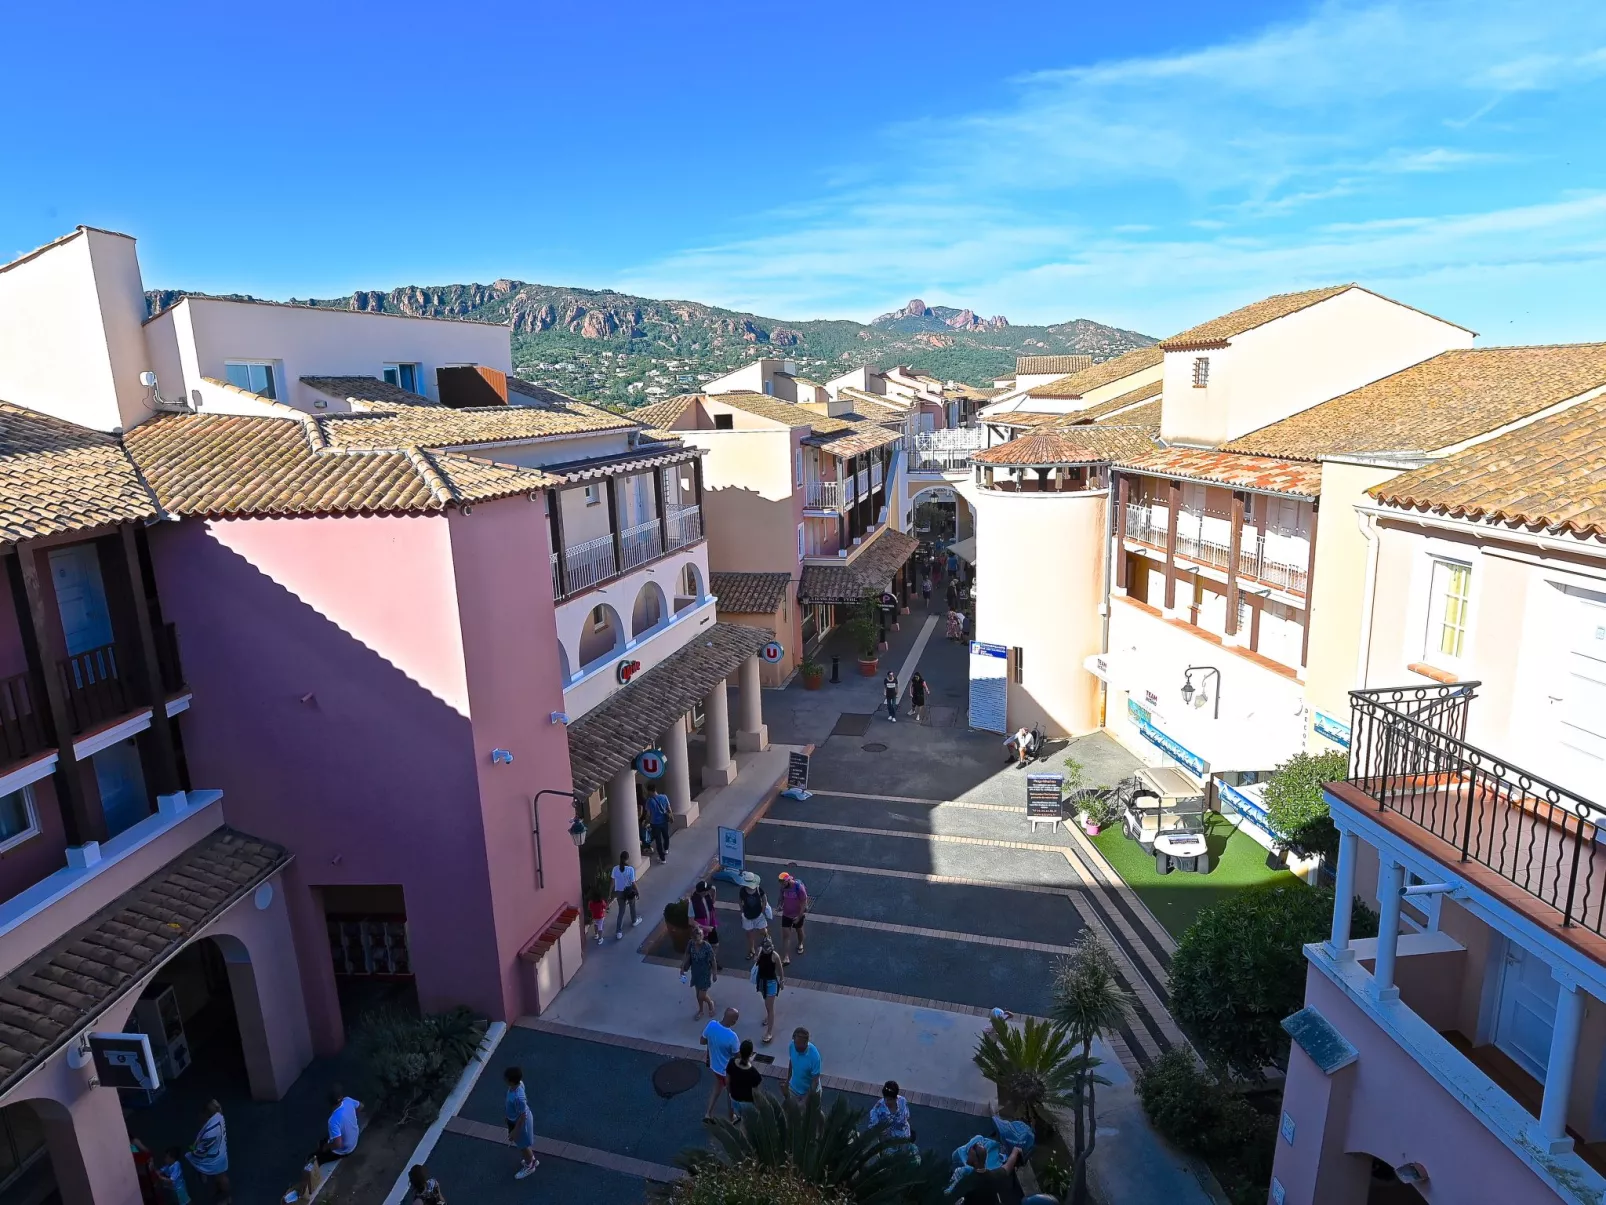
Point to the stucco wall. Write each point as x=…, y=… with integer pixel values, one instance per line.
x=1039, y=566
x=751, y=508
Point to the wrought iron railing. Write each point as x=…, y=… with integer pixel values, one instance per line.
x=22, y=729
x=640, y=544
x=93, y=683
x=1409, y=754
x=684, y=526
x=589, y=563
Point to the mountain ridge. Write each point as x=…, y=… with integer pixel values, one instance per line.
x=604, y=345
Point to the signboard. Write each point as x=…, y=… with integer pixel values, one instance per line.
x=650, y=764
x=989, y=686
x=626, y=670
x=1140, y=715
x=1333, y=729
x=731, y=855
x=1178, y=753
x=772, y=652
x=124, y=1060
x=797, y=769
x=1044, y=793
x=889, y=600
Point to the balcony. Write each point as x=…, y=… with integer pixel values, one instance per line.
x=95, y=687
x=593, y=562
x=946, y=451
x=22, y=728
x=827, y=495
x=1410, y=761
x=1277, y=557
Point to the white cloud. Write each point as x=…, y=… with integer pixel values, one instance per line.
x=1360, y=141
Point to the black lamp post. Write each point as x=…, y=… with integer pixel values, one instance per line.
x=1189, y=690
x=577, y=828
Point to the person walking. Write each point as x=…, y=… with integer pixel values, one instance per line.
x=768, y=978
x=925, y=590
x=625, y=892
x=424, y=1187
x=756, y=913
x=700, y=968
x=597, y=909
x=170, y=1178
x=953, y=623
x=723, y=1044
x=794, y=910
x=890, y=684
x=520, y=1122
x=894, y=1110
x=704, y=915
x=803, y=1066
x=209, y=1154
x=659, y=818
x=917, y=698
x=742, y=1080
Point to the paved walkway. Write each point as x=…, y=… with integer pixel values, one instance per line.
x=933, y=903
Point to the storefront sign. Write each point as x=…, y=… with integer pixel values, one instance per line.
x=124, y=1060
x=989, y=686
x=797, y=769
x=1178, y=753
x=626, y=670
x=1140, y=715
x=772, y=652
x=650, y=764
x=1043, y=795
x=731, y=853
x=1334, y=730
x=1247, y=805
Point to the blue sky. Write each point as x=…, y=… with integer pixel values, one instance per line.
x=1146, y=164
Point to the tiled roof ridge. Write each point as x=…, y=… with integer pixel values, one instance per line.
x=424, y=465
x=288, y=410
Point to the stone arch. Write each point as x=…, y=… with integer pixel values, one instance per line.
x=688, y=587
x=563, y=663
x=649, y=611
x=602, y=633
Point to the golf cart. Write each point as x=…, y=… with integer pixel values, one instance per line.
x=1164, y=812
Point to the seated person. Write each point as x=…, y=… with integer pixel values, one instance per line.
x=339, y=1142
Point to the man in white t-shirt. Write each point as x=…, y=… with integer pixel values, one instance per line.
x=339, y=1141
x=625, y=892
x=722, y=1047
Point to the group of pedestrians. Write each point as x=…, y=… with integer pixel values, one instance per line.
x=731, y=1058
x=918, y=691
x=700, y=967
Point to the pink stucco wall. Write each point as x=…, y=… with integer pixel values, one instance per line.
x=1387, y=1106
x=331, y=705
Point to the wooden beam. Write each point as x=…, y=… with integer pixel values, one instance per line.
x=164, y=770
x=613, y=525
x=1235, y=545
x=81, y=816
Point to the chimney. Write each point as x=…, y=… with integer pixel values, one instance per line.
x=472, y=385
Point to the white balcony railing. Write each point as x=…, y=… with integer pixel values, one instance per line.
x=589, y=563
x=862, y=480
x=875, y=475
x=1277, y=558
x=683, y=525
x=826, y=495
x=639, y=544
x=947, y=450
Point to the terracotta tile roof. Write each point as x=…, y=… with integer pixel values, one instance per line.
x=1132, y=397
x=540, y=394
x=858, y=438
x=665, y=414
x=607, y=738
x=440, y=427
x=874, y=409
x=273, y=404
x=749, y=593
x=1298, y=477
x=1039, y=448
x=1023, y=419
x=647, y=456
x=1218, y=331
x=1037, y=365
x=219, y=464
x=61, y=990
x=1104, y=373
x=789, y=414
x=872, y=569
x=366, y=393
x=56, y=477
x=1455, y=396
x=1550, y=473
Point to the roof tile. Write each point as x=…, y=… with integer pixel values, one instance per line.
x=56, y=477
x=1232, y=469
x=749, y=593
x=1105, y=372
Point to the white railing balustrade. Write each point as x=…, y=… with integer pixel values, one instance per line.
x=589, y=563
x=639, y=544
x=558, y=590
x=947, y=449
x=684, y=524
x=875, y=475
x=824, y=495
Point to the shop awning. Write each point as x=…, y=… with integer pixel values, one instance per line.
x=607, y=738
x=63, y=988
x=964, y=549
x=870, y=571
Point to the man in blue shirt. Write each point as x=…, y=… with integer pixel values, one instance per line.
x=659, y=817
x=723, y=1044
x=802, y=1065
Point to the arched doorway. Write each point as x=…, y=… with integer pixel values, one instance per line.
x=688, y=587
x=601, y=634
x=649, y=610
x=27, y=1172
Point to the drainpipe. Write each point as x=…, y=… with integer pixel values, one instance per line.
x=1368, y=526
x=1104, y=636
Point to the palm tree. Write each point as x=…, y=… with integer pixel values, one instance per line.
x=1035, y=1068
x=830, y=1149
x=1088, y=1000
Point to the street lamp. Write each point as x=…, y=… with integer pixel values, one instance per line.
x=1189, y=690
x=577, y=828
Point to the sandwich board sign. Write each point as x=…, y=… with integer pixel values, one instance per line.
x=732, y=856
x=797, y=776
x=1044, y=793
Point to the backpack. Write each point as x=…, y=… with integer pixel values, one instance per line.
x=753, y=903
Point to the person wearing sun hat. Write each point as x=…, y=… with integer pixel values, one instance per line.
x=756, y=912
x=794, y=907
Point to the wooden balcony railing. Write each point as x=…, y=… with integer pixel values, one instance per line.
x=22, y=728
x=95, y=687
x=1409, y=755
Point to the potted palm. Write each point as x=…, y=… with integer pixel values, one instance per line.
x=1035, y=1069
x=1088, y=1001
x=864, y=630
x=812, y=672
x=677, y=919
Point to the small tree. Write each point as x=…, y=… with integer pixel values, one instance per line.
x=1088, y=1000
x=1239, y=970
x=863, y=625
x=1035, y=1067
x=1296, y=806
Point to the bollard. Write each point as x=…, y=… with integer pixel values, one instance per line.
x=836, y=669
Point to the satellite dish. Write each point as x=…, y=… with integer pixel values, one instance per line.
x=148, y=379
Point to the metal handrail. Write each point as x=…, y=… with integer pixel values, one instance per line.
x=639, y=544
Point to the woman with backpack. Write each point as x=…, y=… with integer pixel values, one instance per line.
x=756, y=913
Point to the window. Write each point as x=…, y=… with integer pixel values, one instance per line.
x=797, y=467
x=769, y=387
x=1447, y=609
x=800, y=553
x=1201, y=371
x=593, y=495
x=254, y=375
x=599, y=618
x=405, y=376
x=18, y=820
x=724, y=422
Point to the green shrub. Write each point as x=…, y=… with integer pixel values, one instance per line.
x=1055, y=1179
x=1296, y=806
x=413, y=1060
x=1035, y=1067
x=1239, y=969
x=677, y=914
x=748, y=1183
x=1193, y=1112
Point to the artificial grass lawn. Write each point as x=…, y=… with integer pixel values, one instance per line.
x=1176, y=898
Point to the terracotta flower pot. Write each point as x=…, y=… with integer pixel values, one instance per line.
x=814, y=681
x=679, y=937
x=868, y=666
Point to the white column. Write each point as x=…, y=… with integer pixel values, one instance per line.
x=1343, y=897
x=752, y=736
x=718, y=769
x=1390, y=879
x=623, y=826
x=677, y=773
x=1559, y=1068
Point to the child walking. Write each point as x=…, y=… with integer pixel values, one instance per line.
x=520, y=1122
x=597, y=909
